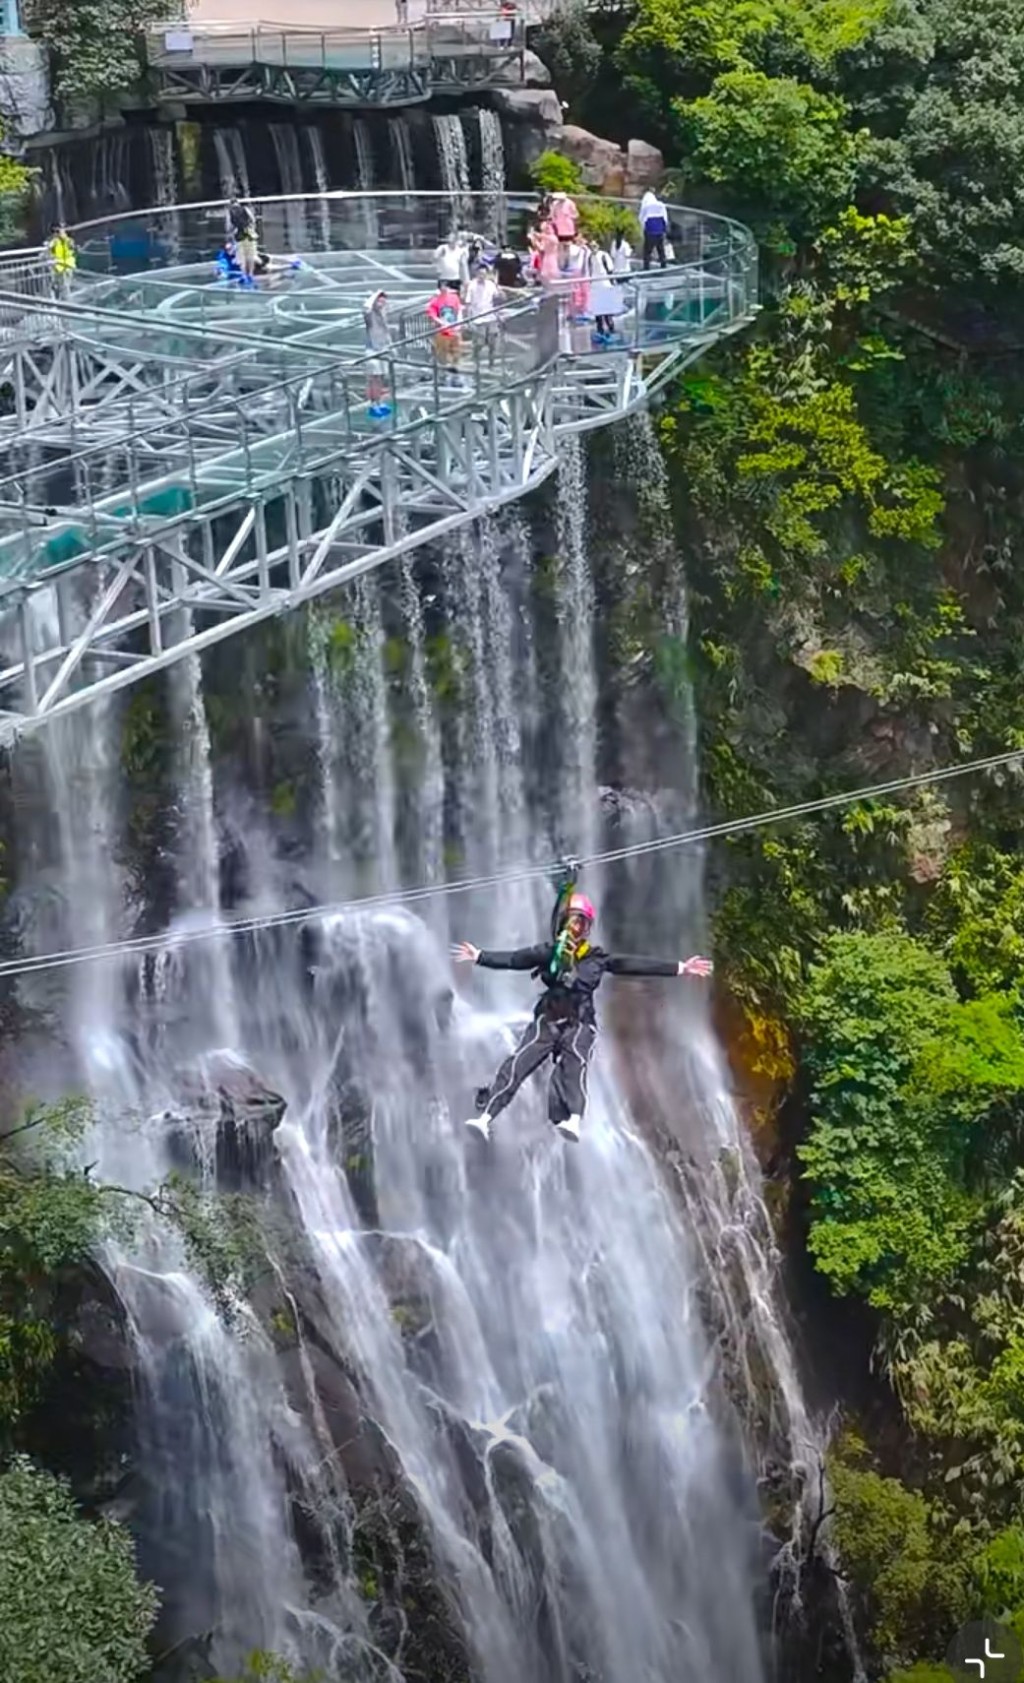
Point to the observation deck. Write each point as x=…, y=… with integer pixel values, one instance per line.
x=299, y=64
x=183, y=456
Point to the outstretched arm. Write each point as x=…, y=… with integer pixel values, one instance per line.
x=620, y=964
x=523, y=958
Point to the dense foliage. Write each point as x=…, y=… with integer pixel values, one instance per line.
x=94, y=44
x=850, y=497
x=73, y=1609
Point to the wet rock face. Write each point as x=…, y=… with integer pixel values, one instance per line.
x=222, y=1124
x=387, y=1544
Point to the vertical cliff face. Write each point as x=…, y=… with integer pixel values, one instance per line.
x=415, y=1406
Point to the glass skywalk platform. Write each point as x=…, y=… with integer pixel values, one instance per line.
x=182, y=456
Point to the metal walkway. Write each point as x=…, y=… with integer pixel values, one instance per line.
x=390, y=67
x=183, y=457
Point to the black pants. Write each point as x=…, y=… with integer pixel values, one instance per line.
x=654, y=243
x=569, y=1043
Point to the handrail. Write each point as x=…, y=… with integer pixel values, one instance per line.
x=353, y=367
x=518, y=201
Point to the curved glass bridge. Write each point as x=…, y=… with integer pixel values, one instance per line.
x=184, y=455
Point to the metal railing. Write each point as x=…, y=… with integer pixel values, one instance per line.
x=347, y=221
x=298, y=47
x=275, y=389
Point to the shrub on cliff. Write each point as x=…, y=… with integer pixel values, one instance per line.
x=73, y=1608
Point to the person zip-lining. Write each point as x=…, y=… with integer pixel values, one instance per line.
x=563, y=1027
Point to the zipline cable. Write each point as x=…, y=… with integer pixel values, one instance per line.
x=171, y=941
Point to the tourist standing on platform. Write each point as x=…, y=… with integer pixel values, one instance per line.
x=482, y=322
x=378, y=343
x=63, y=260
x=242, y=219
x=564, y=220
x=451, y=265
x=509, y=269
x=445, y=311
x=654, y=222
x=606, y=299
x=547, y=249
x=622, y=254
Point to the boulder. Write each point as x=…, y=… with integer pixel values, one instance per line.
x=539, y=107
x=534, y=73
x=602, y=164
x=645, y=167
x=222, y=1123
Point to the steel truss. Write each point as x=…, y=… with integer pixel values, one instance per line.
x=178, y=585
x=282, y=84
x=182, y=463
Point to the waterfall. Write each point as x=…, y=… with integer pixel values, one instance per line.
x=211, y=1497
x=285, y=139
x=321, y=217
x=231, y=164
x=427, y=823
x=198, y=852
x=504, y=1369
x=403, y=169
x=578, y=693
x=492, y=174
x=365, y=180
x=453, y=162
x=109, y=187
x=164, y=175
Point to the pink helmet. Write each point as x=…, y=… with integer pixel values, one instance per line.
x=581, y=906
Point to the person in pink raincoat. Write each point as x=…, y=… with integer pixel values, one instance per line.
x=578, y=269
x=564, y=220
x=546, y=243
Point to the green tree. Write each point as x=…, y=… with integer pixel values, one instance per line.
x=95, y=45
x=73, y=1608
x=908, y=1089
x=51, y=1217
x=939, y=85
x=784, y=149
x=909, y=1575
x=569, y=48
x=15, y=182
x=553, y=172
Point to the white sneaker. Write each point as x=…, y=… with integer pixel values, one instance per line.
x=569, y=1130
x=481, y=1123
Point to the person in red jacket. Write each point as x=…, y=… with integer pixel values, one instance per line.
x=563, y=1027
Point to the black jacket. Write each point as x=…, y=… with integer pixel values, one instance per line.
x=572, y=993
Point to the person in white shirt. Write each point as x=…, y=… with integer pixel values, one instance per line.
x=605, y=297
x=654, y=222
x=621, y=254
x=483, y=298
x=450, y=263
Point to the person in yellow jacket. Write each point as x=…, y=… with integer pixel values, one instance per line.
x=63, y=259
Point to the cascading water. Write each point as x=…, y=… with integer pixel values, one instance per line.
x=285, y=140
x=492, y=173
x=578, y=693
x=321, y=215
x=163, y=168
x=426, y=822
x=453, y=162
x=231, y=165
x=403, y=169
x=365, y=177
x=500, y=1350
x=164, y=173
